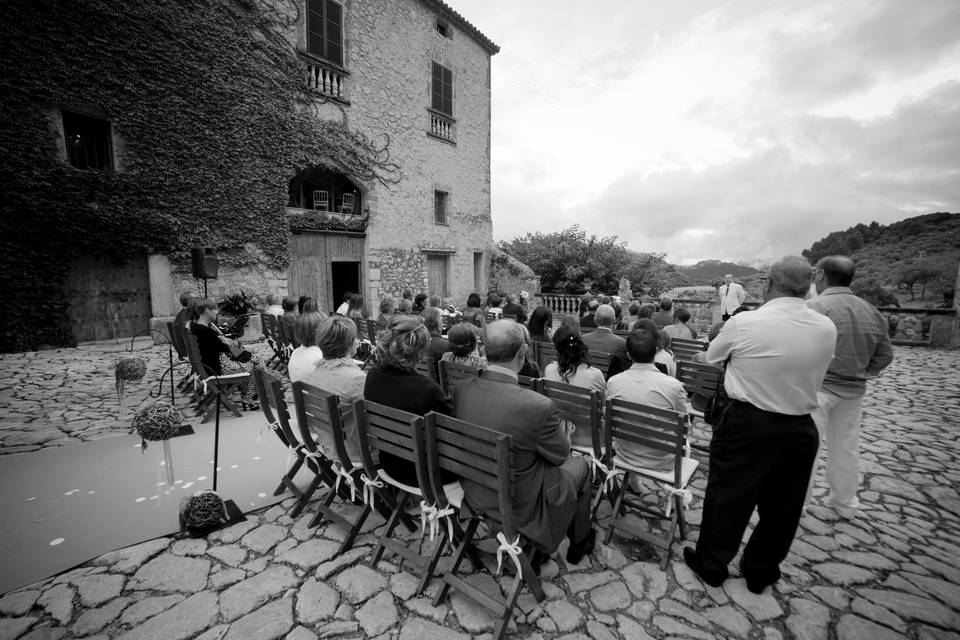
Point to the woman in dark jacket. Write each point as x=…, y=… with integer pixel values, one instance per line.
x=394, y=382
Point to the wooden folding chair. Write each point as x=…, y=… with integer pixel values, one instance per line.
x=286, y=340
x=319, y=411
x=176, y=339
x=546, y=353
x=271, y=334
x=660, y=430
x=452, y=374
x=428, y=367
x=701, y=381
x=398, y=433
x=686, y=349
x=584, y=408
x=213, y=386
x=601, y=360
x=482, y=456
x=274, y=407
x=527, y=382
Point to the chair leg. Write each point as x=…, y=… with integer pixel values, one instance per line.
x=682, y=517
x=434, y=561
x=354, y=530
x=530, y=577
x=501, y=628
x=457, y=558
x=618, y=505
x=305, y=498
x=391, y=525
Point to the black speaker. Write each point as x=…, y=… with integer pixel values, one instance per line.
x=205, y=263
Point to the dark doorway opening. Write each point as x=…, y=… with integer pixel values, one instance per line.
x=346, y=278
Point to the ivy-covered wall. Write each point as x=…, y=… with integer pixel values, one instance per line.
x=206, y=104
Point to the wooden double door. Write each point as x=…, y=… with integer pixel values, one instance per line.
x=325, y=266
x=108, y=299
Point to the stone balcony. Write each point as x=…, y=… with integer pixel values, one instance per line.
x=326, y=79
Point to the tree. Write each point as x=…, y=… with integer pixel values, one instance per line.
x=922, y=273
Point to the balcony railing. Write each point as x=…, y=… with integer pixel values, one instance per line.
x=326, y=79
x=441, y=126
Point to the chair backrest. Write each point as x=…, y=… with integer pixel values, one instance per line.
x=699, y=380
x=581, y=406
x=473, y=453
x=685, y=349
x=193, y=355
x=176, y=339
x=346, y=206
x=321, y=201
x=274, y=405
x=658, y=429
x=319, y=411
x=546, y=353
x=453, y=373
x=528, y=382
x=363, y=328
x=490, y=316
x=623, y=333
x=510, y=316
x=427, y=367
x=388, y=430
x=285, y=333
x=601, y=360
x=269, y=323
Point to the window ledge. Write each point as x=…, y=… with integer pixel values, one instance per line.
x=441, y=138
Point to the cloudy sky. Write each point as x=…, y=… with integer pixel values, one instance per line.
x=740, y=130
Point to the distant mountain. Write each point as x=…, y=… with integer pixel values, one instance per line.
x=918, y=255
x=712, y=271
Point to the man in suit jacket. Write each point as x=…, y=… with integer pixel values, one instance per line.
x=512, y=308
x=552, y=490
x=732, y=296
x=604, y=340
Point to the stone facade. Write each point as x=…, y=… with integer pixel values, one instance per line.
x=389, y=46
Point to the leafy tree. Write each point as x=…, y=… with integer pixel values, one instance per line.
x=922, y=272
x=871, y=291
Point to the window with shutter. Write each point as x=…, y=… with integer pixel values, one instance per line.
x=325, y=30
x=442, y=89
x=440, y=207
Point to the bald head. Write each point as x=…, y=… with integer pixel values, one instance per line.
x=838, y=271
x=789, y=276
x=503, y=341
x=605, y=316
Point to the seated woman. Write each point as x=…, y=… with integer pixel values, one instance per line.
x=419, y=303
x=493, y=305
x=530, y=367
x=340, y=374
x=405, y=307
x=540, y=324
x=218, y=352
x=355, y=310
x=463, y=347
x=395, y=382
x=386, y=313
x=308, y=355
x=572, y=367
x=472, y=313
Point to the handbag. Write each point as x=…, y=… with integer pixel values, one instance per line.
x=718, y=402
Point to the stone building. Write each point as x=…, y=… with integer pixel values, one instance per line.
x=417, y=72
x=210, y=132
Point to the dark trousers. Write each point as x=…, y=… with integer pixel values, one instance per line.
x=761, y=460
x=578, y=470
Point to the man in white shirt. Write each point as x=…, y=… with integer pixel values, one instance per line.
x=732, y=296
x=764, y=447
x=644, y=384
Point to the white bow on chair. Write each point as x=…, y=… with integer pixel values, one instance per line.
x=368, y=486
x=612, y=474
x=597, y=465
x=686, y=497
x=511, y=549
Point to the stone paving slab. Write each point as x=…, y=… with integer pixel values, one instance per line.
x=892, y=572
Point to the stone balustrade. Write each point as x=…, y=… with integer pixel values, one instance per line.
x=326, y=79
x=441, y=126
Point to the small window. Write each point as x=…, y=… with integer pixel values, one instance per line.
x=440, y=207
x=442, y=89
x=478, y=279
x=87, y=141
x=325, y=30
x=443, y=28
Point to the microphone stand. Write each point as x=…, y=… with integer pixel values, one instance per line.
x=232, y=513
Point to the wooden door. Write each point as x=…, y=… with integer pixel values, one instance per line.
x=437, y=275
x=311, y=258
x=108, y=300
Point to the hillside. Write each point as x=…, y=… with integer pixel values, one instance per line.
x=913, y=259
x=712, y=271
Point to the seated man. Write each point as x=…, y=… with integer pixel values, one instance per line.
x=606, y=341
x=512, y=308
x=553, y=490
x=680, y=329
x=664, y=317
x=273, y=308
x=587, y=320
x=644, y=384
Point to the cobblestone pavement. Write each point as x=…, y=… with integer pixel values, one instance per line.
x=890, y=573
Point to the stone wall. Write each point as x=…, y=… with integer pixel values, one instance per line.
x=506, y=275
x=253, y=279
x=388, y=48
x=934, y=327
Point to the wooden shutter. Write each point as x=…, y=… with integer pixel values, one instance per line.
x=334, y=33
x=442, y=85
